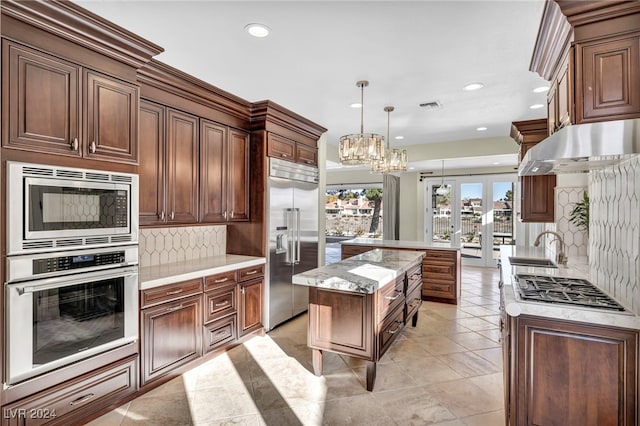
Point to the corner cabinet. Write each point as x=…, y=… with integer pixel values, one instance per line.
x=224, y=173
x=536, y=192
x=45, y=97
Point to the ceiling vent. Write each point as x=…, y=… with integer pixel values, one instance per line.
x=430, y=106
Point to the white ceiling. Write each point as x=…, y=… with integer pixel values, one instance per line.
x=411, y=52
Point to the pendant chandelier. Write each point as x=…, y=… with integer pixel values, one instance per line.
x=393, y=160
x=361, y=148
x=443, y=189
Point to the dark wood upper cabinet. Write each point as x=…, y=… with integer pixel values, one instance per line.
x=536, y=192
x=182, y=167
x=238, y=176
x=151, y=169
x=289, y=150
x=45, y=94
x=41, y=101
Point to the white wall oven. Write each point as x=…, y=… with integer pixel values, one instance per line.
x=62, y=307
x=53, y=208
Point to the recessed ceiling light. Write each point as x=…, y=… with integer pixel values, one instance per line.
x=356, y=105
x=496, y=163
x=412, y=168
x=399, y=137
x=257, y=30
x=473, y=86
x=481, y=129
x=541, y=89
x=536, y=106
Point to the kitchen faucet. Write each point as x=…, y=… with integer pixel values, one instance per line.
x=561, y=257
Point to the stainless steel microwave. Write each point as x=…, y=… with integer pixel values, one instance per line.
x=52, y=208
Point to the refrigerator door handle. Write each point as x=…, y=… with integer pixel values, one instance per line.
x=297, y=256
x=289, y=255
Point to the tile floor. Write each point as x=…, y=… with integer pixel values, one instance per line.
x=446, y=371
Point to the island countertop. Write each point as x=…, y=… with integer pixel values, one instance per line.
x=364, y=273
x=402, y=244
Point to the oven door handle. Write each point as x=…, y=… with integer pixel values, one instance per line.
x=58, y=282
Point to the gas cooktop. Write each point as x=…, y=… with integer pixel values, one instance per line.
x=569, y=291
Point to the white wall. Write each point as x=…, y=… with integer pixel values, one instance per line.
x=322, y=158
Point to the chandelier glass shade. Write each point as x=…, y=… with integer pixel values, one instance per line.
x=442, y=189
x=393, y=160
x=361, y=148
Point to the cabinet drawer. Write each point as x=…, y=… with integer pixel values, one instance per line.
x=389, y=297
x=444, y=270
x=414, y=278
x=280, y=147
x=166, y=293
x=71, y=401
x=219, y=303
x=441, y=254
x=213, y=282
x=220, y=333
x=250, y=273
x=438, y=289
x=348, y=251
x=306, y=155
x=390, y=329
x=413, y=302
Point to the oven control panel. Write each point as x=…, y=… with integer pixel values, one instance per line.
x=63, y=263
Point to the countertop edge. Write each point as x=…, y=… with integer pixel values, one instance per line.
x=419, y=245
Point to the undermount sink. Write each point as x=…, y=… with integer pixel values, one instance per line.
x=532, y=261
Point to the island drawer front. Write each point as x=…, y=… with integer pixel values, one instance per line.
x=438, y=289
x=213, y=282
x=414, y=300
x=444, y=270
x=169, y=292
x=220, y=303
x=389, y=330
x=389, y=297
x=348, y=251
x=220, y=333
x=250, y=273
x=414, y=278
x=87, y=395
x=441, y=254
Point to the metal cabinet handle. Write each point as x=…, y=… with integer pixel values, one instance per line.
x=242, y=289
x=74, y=144
x=399, y=293
x=173, y=215
x=82, y=399
x=174, y=292
x=224, y=214
x=175, y=308
x=251, y=272
x=395, y=330
x=92, y=147
x=226, y=302
x=284, y=155
x=232, y=214
x=221, y=280
x=162, y=215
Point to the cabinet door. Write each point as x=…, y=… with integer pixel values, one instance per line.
x=182, y=167
x=238, y=183
x=151, y=169
x=171, y=336
x=280, y=147
x=552, y=110
x=40, y=101
x=564, y=86
x=250, y=306
x=112, y=119
x=608, y=75
x=306, y=155
x=213, y=172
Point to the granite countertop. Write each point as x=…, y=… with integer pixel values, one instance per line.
x=154, y=276
x=575, y=268
x=420, y=245
x=364, y=273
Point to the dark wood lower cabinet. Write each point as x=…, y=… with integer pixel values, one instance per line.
x=70, y=402
x=250, y=306
x=569, y=373
x=171, y=336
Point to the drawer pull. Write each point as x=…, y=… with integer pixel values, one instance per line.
x=398, y=294
x=221, y=334
x=226, y=302
x=82, y=399
x=395, y=330
x=175, y=308
x=169, y=293
x=251, y=272
x=221, y=280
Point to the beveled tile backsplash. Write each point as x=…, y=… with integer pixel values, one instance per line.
x=575, y=239
x=614, y=258
x=166, y=245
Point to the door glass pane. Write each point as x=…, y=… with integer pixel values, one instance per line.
x=471, y=219
x=441, y=217
x=503, y=218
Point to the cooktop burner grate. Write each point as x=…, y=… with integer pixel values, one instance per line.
x=570, y=291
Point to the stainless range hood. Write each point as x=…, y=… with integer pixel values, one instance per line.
x=583, y=147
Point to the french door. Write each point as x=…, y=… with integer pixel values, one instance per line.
x=475, y=213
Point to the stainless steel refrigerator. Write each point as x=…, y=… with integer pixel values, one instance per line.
x=292, y=200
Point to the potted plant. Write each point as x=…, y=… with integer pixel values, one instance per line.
x=580, y=214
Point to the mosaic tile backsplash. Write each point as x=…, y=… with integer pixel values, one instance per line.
x=614, y=258
x=166, y=245
x=575, y=239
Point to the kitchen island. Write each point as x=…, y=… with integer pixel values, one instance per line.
x=358, y=306
x=570, y=351
x=441, y=265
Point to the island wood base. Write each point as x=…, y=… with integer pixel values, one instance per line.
x=362, y=325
